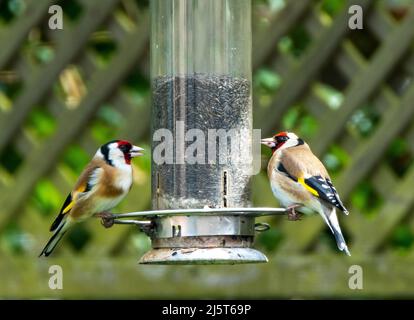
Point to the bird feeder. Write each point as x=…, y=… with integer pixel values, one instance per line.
x=202, y=103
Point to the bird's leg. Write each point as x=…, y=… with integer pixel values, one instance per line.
x=292, y=214
x=103, y=214
x=106, y=218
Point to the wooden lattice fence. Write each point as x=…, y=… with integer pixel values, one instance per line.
x=349, y=93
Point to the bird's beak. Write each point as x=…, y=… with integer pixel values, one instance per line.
x=136, y=152
x=268, y=142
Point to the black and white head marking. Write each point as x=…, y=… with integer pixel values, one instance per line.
x=104, y=151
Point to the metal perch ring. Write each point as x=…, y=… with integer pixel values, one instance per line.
x=116, y=218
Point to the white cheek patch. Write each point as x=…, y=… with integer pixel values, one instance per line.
x=119, y=162
x=116, y=157
x=289, y=143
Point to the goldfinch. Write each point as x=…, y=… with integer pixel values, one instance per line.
x=299, y=180
x=104, y=182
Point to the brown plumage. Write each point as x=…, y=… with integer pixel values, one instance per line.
x=300, y=160
x=299, y=179
x=104, y=182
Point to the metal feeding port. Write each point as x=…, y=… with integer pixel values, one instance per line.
x=199, y=236
x=202, y=135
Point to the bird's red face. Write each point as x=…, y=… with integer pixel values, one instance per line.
x=277, y=141
x=129, y=151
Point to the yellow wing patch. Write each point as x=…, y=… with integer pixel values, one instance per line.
x=81, y=188
x=310, y=189
x=68, y=207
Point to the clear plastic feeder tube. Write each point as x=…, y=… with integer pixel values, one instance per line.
x=201, y=84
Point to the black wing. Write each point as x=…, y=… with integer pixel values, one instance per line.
x=326, y=191
x=66, y=205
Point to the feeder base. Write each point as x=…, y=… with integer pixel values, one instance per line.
x=203, y=256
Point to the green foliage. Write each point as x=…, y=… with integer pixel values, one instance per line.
x=267, y=80
x=336, y=159
x=332, y=7
x=402, y=238
x=299, y=121
x=366, y=199
x=296, y=42
x=44, y=53
x=104, y=49
x=110, y=116
x=71, y=9
x=276, y=5
x=141, y=242
x=11, y=159
x=137, y=88
x=10, y=9
x=41, y=123
x=13, y=239
x=142, y=3
x=101, y=132
x=308, y=126
x=79, y=236
x=399, y=156
x=76, y=158
x=46, y=197
x=291, y=118
x=364, y=121
x=11, y=89
x=270, y=239
x=332, y=97
x=145, y=160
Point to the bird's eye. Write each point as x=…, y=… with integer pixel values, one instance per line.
x=125, y=147
x=282, y=138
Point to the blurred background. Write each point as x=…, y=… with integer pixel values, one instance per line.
x=350, y=94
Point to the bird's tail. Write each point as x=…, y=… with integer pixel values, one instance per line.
x=329, y=215
x=54, y=240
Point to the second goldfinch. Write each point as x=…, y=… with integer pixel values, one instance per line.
x=299, y=180
x=105, y=181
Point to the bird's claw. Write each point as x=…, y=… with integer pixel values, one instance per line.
x=106, y=219
x=292, y=214
x=149, y=230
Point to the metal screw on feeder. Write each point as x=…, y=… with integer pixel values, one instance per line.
x=201, y=79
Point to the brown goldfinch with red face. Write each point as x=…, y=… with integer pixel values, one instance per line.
x=104, y=182
x=299, y=180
